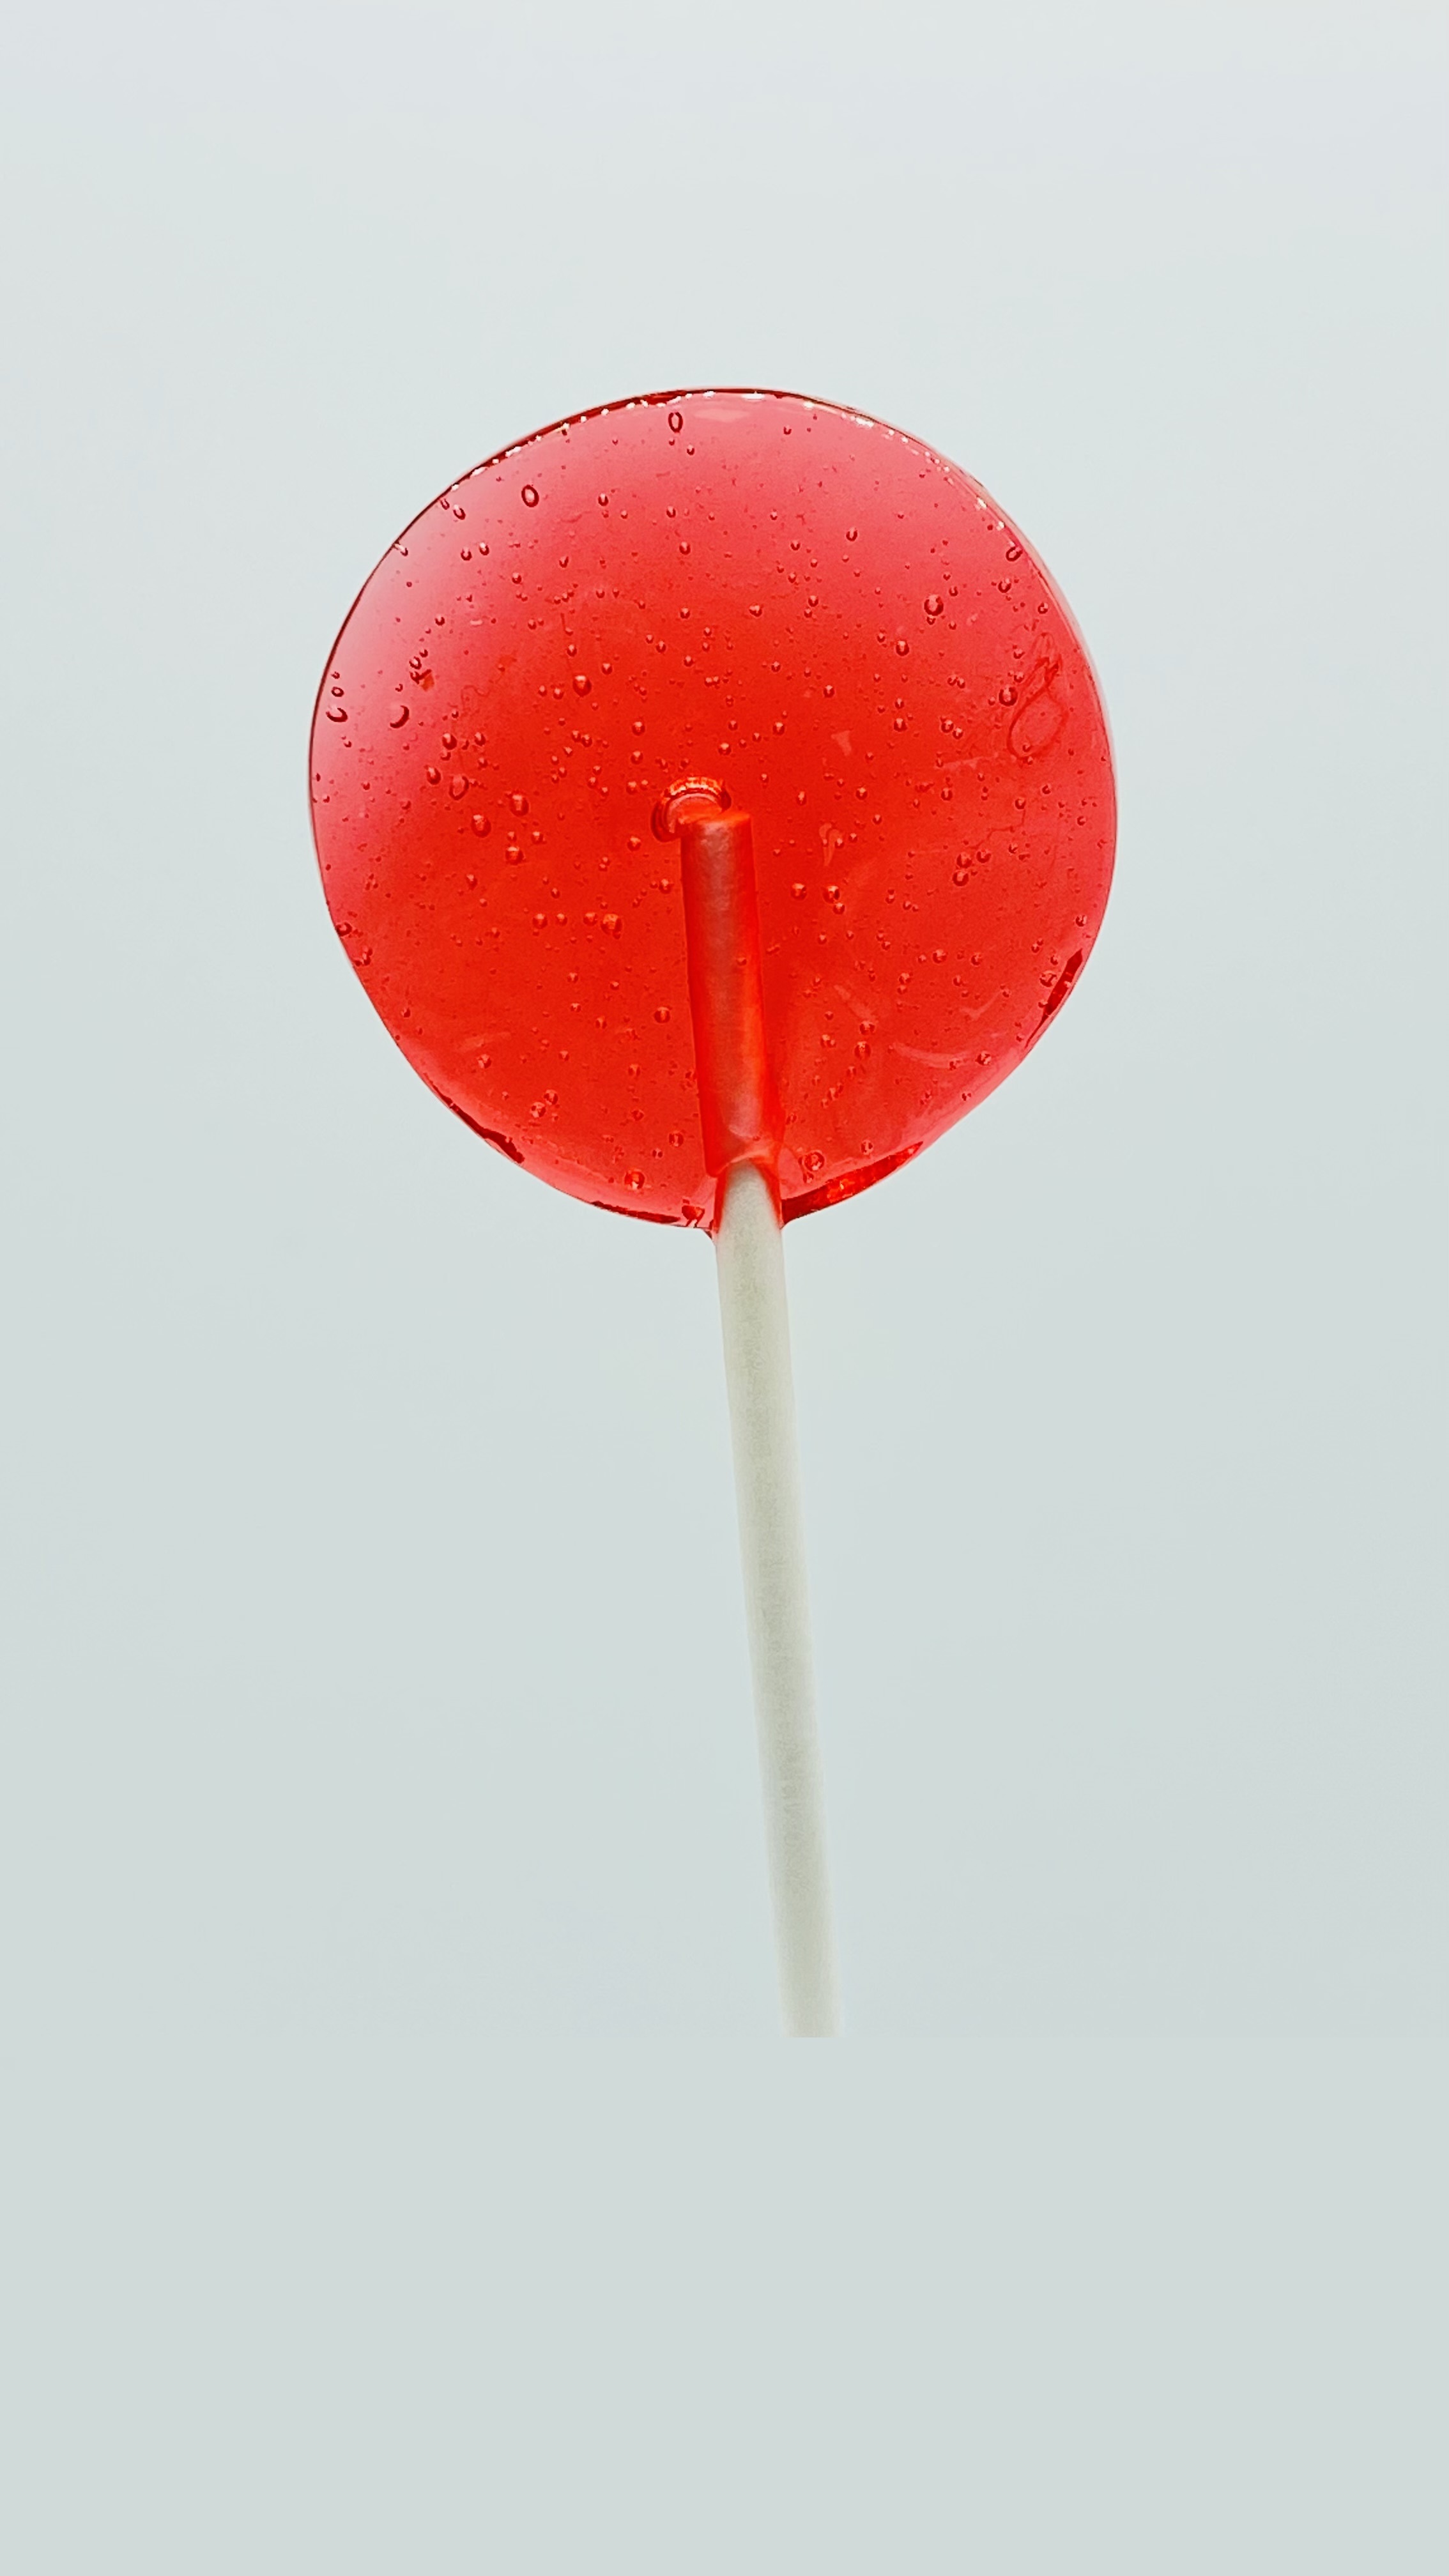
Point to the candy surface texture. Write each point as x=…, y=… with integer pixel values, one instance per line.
x=817, y=612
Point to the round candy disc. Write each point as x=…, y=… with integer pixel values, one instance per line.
x=831, y=621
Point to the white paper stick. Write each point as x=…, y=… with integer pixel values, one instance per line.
x=777, y=1611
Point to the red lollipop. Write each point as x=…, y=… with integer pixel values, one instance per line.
x=713, y=796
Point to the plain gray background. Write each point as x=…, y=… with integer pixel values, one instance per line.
x=378, y=1711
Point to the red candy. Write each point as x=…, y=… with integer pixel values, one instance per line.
x=842, y=630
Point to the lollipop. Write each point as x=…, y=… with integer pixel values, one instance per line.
x=713, y=796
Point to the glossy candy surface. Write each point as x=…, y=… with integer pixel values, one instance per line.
x=813, y=609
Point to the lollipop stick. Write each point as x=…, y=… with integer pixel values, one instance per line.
x=741, y=1123
x=777, y=1611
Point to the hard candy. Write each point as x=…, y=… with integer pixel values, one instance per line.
x=804, y=605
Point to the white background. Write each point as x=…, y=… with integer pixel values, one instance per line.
x=377, y=1704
